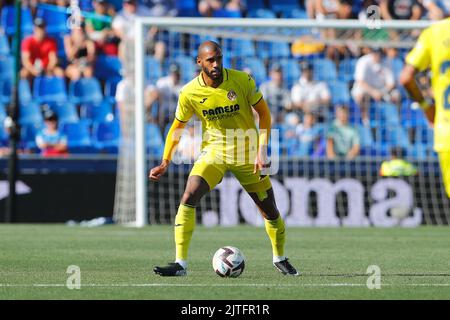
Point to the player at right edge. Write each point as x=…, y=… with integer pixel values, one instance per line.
x=432, y=51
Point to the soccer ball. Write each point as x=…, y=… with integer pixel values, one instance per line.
x=228, y=262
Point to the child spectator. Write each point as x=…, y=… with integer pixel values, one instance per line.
x=49, y=140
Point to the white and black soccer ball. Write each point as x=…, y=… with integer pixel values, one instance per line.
x=228, y=262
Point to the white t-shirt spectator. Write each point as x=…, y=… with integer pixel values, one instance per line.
x=375, y=74
x=124, y=20
x=310, y=92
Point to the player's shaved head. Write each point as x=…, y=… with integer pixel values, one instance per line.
x=209, y=58
x=208, y=47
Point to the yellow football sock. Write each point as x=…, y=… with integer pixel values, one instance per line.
x=276, y=231
x=184, y=226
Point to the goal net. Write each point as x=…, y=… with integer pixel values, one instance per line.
x=310, y=188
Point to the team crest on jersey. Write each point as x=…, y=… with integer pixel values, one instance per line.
x=232, y=95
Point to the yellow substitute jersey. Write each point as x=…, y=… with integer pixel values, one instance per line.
x=432, y=51
x=227, y=107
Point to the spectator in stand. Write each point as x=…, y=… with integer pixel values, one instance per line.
x=400, y=9
x=80, y=53
x=437, y=9
x=374, y=81
x=160, y=8
x=39, y=54
x=277, y=96
x=166, y=92
x=123, y=27
x=206, y=8
x=308, y=135
x=342, y=139
x=309, y=95
x=49, y=140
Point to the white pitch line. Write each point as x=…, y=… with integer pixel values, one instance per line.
x=51, y=285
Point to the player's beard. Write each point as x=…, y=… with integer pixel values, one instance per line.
x=214, y=76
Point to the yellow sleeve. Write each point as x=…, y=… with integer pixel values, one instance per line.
x=420, y=56
x=184, y=109
x=253, y=93
x=172, y=139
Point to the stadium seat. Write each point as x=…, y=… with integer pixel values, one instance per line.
x=393, y=136
x=4, y=45
x=187, y=67
x=389, y=112
x=28, y=134
x=55, y=17
x=297, y=13
x=7, y=20
x=187, y=8
x=418, y=151
x=87, y=5
x=117, y=4
x=154, y=139
x=153, y=70
x=290, y=69
x=110, y=89
x=30, y=114
x=107, y=67
x=98, y=112
x=223, y=13
x=365, y=134
x=339, y=92
x=424, y=135
x=6, y=91
x=261, y=13
x=395, y=65
x=85, y=91
x=78, y=137
x=257, y=67
x=347, y=69
x=49, y=90
x=283, y=5
x=324, y=70
x=67, y=112
x=256, y=4
x=239, y=48
x=6, y=67
x=106, y=135
x=2, y=114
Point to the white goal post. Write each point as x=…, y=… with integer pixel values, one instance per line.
x=214, y=26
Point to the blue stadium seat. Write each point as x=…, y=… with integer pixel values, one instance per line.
x=2, y=114
x=30, y=114
x=117, y=4
x=255, y=4
x=347, y=69
x=283, y=5
x=324, y=70
x=49, y=89
x=28, y=134
x=106, y=136
x=297, y=13
x=56, y=19
x=98, y=112
x=6, y=91
x=393, y=136
x=223, y=13
x=87, y=5
x=187, y=67
x=107, y=67
x=187, y=8
x=389, y=112
x=110, y=88
x=154, y=140
x=365, y=134
x=67, y=112
x=290, y=69
x=257, y=67
x=78, y=137
x=239, y=48
x=85, y=91
x=261, y=13
x=4, y=45
x=339, y=92
x=6, y=67
x=153, y=70
x=395, y=65
x=418, y=151
x=424, y=135
x=7, y=20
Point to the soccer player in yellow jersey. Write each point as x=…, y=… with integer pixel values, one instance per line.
x=432, y=51
x=223, y=100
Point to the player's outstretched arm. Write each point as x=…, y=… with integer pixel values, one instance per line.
x=264, y=132
x=172, y=139
x=407, y=79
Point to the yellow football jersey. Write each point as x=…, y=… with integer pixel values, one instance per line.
x=432, y=51
x=227, y=107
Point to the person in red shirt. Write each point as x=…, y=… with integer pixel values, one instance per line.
x=39, y=54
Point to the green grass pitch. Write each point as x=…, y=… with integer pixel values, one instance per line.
x=116, y=263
